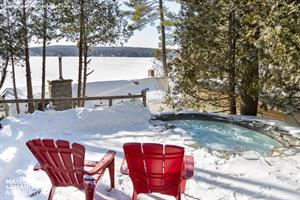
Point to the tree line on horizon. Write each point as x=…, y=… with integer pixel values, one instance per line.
x=70, y=50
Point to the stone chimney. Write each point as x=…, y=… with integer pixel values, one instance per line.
x=61, y=88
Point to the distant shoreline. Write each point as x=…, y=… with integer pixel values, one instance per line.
x=98, y=56
x=72, y=51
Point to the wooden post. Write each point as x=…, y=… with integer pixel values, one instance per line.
x=110, y=102
x=60, y=68
x=151, y=73
x=144, y=98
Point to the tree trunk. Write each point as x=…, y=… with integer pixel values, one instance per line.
x=249, y=82
x=11, y=51
x=14, y=82
x=85, y=68
x=44, y=56
x=27, y=63
x=163, y=39
x=231, y=68
x=249, y=105
x=4, y=72
x=79, y=89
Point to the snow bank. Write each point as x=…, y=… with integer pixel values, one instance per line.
x=217, y=176
x=81, y=120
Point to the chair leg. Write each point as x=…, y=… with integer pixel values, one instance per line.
x=111, y=170
x=180, y=189
x=134, y=195
x=182, y=186
x=51, y=194
x=89, y=191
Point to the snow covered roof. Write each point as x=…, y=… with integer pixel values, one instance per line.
x=8, y=93
x=121, y=87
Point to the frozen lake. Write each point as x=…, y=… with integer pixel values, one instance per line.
x=105, y=68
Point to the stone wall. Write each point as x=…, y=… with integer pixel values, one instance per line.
x=61, y=89
x=293, y=118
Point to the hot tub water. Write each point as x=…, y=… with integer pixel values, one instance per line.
x=225, y=136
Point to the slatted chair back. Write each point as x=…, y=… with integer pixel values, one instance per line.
x=154, y=167
x=64, y=163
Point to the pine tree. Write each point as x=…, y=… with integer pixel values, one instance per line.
x=280, y=56
x=232, y=40
x=45, y=28
x=90, y=24
x=270, y=46
x=4, y=54
x=147, y=12
x=23, y=17
x=204, y=67
x=263, y=41
x=250, y=16
x=12, y=45
x=105, y=25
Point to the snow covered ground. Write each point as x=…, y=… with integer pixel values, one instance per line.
x=217, y=177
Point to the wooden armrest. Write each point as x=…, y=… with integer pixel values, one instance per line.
x=103, y=163
x=37, y=167
x=90, y=163
x=124, y=168
x=188, y=167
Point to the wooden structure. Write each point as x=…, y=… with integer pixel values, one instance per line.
x=151, y=73
x=157, y=168
x=73, y=100
x=65, y=165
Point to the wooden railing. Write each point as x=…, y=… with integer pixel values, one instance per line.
x=74, y=100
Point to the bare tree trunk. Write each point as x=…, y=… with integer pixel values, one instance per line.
x=249, y=82
x=14, y=82
x=26, y=53
x=44, y=55
x=163, y=39
x=79, y=89
x=231, y=69
x=85, y=68
x=4, y=72
x=11, y=51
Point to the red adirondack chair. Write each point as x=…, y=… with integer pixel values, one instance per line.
x=64, y=164
x=157, y=168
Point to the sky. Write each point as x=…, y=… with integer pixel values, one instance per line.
x=148, y=37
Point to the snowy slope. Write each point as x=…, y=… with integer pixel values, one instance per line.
x=216, y=176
